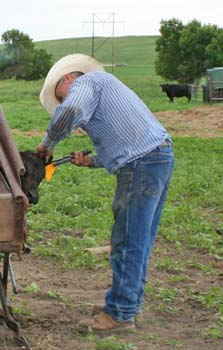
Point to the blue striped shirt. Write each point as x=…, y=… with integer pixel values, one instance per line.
x=118, y=122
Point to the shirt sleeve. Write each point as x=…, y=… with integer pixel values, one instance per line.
x=75, y=111
x=96, y=163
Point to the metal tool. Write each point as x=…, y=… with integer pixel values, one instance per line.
x=51, y=167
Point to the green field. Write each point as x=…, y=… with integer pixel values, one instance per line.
x=130, y=50
x=80, y=199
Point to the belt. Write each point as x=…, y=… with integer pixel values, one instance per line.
x=165, y=143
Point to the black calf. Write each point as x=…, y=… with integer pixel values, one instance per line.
x=35, y=172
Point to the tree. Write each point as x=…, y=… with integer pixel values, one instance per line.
x=168, y=49
x=193, y=43
x=214, y=51
x=20, y=59
x=196, y=46
x=41, y=63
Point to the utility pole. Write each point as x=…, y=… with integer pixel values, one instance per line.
x=93, y=22
x=92, y=46
x=113, y=41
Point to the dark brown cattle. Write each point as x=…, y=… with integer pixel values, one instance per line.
x=35, y=173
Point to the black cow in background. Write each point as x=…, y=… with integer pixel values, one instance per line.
x=177, y=90
x=35, y=173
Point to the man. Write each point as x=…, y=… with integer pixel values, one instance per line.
x=130, y=143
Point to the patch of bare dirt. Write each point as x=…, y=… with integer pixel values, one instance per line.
x=206, y=121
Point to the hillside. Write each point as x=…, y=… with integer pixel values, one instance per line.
x=132, y=50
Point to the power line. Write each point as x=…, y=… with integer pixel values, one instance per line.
x=96, y=19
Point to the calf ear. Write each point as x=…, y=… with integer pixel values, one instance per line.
x=44, y=159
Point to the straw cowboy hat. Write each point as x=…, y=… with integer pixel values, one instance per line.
x=70, y=63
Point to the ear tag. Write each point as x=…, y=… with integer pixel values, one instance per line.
x=49, y=171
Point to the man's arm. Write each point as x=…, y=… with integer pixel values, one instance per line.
x=76, y=110
x=84, y=160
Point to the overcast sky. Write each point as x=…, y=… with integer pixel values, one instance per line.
x=57, y=19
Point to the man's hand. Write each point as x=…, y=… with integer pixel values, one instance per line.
x=44, y=152
x=81, y=160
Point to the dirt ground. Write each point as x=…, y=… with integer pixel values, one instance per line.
x=48, y=320
x=202, y=122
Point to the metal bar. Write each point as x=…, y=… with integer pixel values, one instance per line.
x=21, y=341
x=216, y=82
x=11, y=323
x=62, y=160
x=5, y=271
x=12, y=277
x=9, y=319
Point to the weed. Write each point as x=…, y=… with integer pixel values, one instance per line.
x=53, y=294
x=42, y=250
x=32, y=288
x=113, y=343
x=207, y=268
x=22, y=309
x=174, y=343
x=214, y=331
x=213, y=298
x=170, y=265
x=178, y=278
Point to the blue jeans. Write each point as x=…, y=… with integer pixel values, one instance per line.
x=141, y=191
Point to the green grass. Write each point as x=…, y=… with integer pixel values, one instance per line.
x=132, y=50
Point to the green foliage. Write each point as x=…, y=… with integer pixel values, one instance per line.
x=113, y=343
x=214, y=331
x=214, y=51
x=20, y=59
x=213, y=298
x=193, y=42
x=54, y=294
x=32, y=288
x=170, y=265
x=168, y=49
x=22, y=309
x=184, y=52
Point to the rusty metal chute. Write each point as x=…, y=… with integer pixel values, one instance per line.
x=13, y=202
x=13, y=208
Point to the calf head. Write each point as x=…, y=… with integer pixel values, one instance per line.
x=35, y=173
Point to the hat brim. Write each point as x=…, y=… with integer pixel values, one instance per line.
x=70, y=63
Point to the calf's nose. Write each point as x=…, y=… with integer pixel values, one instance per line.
x=33, y=197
